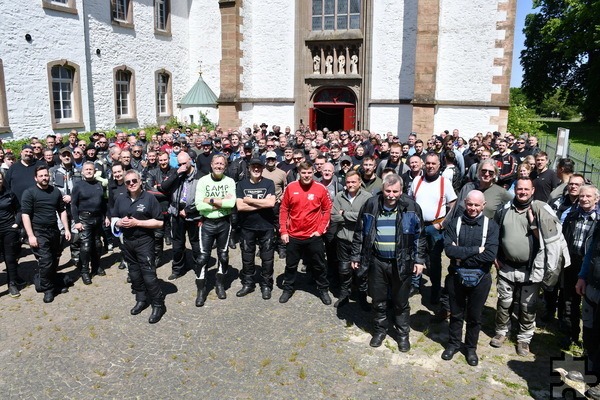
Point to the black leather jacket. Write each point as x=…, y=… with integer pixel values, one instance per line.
x=410, y=243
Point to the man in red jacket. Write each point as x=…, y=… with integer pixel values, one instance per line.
x=303, y=218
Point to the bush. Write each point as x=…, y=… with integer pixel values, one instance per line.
x=523, y=119
x=15, y=145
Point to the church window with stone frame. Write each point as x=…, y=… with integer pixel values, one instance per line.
x=164, y=95
x=4, y=127
x=125, y=109
x=162, y=16
x=67, y=6
x=122, y=12
x=62, y=92
x=329, y=15
x=65, y=94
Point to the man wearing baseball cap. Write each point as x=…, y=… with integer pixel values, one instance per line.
x=255, y=201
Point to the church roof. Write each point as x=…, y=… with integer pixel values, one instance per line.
x=199, y=95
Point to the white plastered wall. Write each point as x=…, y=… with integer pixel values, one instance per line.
x=466, y=50
x=204, y=46
x=141, y=50
x=468, y=120
x=391, y=118
x=268, y=60
x=25, y=63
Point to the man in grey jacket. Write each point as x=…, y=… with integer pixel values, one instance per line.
x=531, y=247
x=346, y=207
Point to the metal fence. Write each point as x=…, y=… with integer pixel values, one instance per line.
x=584, y=164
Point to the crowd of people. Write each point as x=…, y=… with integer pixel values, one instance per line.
x=358, y=210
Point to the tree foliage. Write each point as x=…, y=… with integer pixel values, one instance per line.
x=562, y=50
x=522, y=118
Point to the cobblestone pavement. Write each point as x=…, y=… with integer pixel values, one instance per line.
x=86, y=345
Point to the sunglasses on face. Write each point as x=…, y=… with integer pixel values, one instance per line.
x=131, y=182
x=487, y=172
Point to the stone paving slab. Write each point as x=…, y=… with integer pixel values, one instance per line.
x=86, y=345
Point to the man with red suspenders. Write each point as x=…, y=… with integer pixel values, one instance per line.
x=435, y=196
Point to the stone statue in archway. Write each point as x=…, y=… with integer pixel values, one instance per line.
x=316, y=64
x=354, y=64
x=342, y=64
x=329, y=65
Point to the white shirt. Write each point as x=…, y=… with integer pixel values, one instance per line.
x=428, y=196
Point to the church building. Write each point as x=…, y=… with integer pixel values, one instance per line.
x=396, y=66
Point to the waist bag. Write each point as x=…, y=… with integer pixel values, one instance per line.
x=470, y=277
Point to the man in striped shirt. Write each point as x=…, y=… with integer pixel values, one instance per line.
x=388, y=245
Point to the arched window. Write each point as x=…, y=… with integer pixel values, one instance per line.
x=65, y=94
x=122, y=13
x=164, y=95
x=67, y=6
x=162, y=17
x=125, y=107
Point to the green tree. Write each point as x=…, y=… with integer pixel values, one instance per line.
x=522, y=118
x=555, y=105
x=562, y=50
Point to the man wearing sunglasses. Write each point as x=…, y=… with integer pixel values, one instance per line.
x=63, y=177
x=494, y=195
x=137, y=214
x=521, y=151
x=181, y=186
x=255, y=201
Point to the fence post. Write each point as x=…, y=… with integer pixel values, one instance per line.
x=585, y=158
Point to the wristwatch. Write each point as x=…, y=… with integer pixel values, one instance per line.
x=212, y=201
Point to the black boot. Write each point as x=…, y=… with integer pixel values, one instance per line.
x=13, y=289
x=157, y=313
x=85, y=275
x=139, y=307
x=220, y=288
x=201, y=297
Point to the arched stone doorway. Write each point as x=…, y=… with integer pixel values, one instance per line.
x=334, y=108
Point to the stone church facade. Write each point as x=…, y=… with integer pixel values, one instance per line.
x=383, y=65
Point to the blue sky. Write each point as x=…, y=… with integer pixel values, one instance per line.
x=524, y=7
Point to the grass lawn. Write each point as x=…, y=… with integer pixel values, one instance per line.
x=582, y=135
